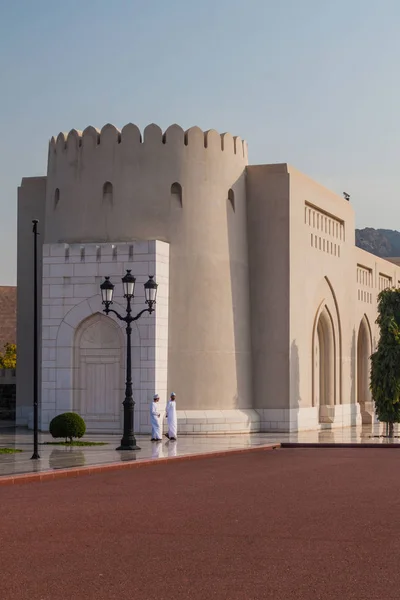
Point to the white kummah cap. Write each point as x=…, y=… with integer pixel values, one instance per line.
x=155, y=397
x=173, y=394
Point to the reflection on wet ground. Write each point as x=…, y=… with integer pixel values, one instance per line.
x=61, y=457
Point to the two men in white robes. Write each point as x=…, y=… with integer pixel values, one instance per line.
x=156, y=422
x=172, y=418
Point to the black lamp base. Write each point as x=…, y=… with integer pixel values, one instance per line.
x=128, y=446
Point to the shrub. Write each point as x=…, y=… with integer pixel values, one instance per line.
x=8, y=358
x=67, y=425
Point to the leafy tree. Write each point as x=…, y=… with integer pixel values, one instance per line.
x=8, y=358
x=385, y=362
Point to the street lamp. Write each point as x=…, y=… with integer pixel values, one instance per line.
x=35, y=454
x=128, y=441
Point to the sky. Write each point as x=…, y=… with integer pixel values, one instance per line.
x=309, y=82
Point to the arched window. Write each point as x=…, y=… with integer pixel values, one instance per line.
x=231, y=198
x=108, y=192
x=176, y=192
x=56, y=197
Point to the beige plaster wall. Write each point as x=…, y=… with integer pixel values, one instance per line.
x=269, y=225
x=31, y=205
x=303, y=261
x=373, y=274
x=209, y=331
x=320, y=277
x=367, y=289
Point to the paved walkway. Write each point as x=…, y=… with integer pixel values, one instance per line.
x=59, y=457
x=284, y=525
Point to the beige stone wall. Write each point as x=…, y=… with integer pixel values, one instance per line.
x=305, y=267
x=209, y=291
x=327, y=272
x=373, y=274
x=268, y=222
x=321, y=276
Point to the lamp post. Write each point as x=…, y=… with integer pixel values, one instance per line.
x=128, y=441
x=35, y=454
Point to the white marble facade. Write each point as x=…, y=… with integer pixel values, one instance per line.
x=84, y=351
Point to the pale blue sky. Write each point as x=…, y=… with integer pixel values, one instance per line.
x=309, y=82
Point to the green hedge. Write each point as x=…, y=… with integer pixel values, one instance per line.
x=68, y=425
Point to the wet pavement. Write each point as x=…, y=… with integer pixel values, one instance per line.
x=61, y=457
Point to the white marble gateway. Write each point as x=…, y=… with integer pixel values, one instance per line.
x=83, y=350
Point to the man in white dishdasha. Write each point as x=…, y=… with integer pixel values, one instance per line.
x=155, y=420
x=172, y=418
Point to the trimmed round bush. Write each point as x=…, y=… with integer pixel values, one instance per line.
x=68, y=425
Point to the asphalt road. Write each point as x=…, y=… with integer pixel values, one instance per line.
x=301, y=524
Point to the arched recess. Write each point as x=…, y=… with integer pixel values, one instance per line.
x=99, y=373
x=326, y=353
x=324, y=366
x=108, y=192
x=364, y=351
x=56, y=197
x=176, y=193
x=67, y=349
x=231, y=198
x=338, y=357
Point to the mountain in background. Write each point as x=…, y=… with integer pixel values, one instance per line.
x=381, y=242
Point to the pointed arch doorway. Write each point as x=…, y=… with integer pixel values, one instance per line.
x=99, y=373
x=364, y=351
x=325, y=367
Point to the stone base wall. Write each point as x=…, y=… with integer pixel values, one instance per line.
x=191, y=422
x=306, y=419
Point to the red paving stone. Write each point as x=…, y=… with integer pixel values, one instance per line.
x=293, y=524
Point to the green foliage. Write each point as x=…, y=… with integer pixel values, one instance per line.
x=9, y=450
x=68, y=426
x=385, y=362
x=8, y=358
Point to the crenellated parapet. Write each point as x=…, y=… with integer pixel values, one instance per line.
x=118, y=184
x=76, y=142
